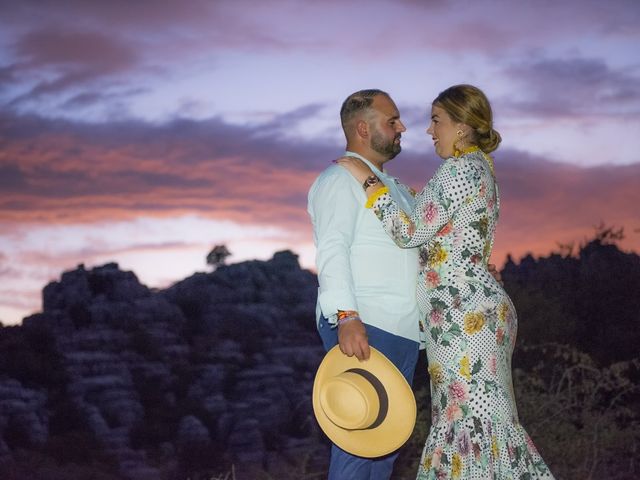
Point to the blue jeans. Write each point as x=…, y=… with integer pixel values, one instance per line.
x=403, y=353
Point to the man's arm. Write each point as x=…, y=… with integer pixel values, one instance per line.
x=334, y=208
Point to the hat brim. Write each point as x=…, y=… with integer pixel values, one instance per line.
x=399, y=422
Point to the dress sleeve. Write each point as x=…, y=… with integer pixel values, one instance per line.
x=453, y=184
x=334, y=211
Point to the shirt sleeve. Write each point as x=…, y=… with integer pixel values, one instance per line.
x=454, y=183
x=334, y=206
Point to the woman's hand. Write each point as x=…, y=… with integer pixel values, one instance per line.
x=496, y=274
x=356, y=167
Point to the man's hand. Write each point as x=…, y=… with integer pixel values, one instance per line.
x=352, y=338
x=496, y=274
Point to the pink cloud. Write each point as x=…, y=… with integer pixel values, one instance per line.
x=65, y=172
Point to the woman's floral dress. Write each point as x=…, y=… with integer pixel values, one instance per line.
x=470, y=325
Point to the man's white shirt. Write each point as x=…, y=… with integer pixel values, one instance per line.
x=359, y=266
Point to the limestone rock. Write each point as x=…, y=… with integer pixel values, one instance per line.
x=23, y=416
x=222, y=362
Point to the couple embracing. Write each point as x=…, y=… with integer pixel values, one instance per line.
x=400, y=271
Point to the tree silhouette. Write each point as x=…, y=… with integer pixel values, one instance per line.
x=608, y=235
x=586, y=300
x=218, y=256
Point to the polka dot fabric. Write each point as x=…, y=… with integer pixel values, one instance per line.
x=469, y=325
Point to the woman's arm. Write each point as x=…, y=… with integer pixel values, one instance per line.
x=455, y=182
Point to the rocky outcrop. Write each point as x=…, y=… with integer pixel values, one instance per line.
x=213, y=371
x=23, y=416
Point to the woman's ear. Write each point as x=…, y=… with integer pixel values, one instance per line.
x=466, y=129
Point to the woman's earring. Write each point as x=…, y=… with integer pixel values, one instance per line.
x=458, y=146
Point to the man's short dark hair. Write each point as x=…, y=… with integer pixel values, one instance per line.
x=356, y=103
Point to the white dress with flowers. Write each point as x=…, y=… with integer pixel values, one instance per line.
x=470, y=326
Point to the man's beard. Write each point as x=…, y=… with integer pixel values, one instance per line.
x=385, y=147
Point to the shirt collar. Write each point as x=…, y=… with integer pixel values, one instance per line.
x=373, y=168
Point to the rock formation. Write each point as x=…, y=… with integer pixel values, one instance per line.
x=212, y=372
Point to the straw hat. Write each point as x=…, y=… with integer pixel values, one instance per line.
x=366, y=408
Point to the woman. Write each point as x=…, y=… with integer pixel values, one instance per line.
x=469, y=321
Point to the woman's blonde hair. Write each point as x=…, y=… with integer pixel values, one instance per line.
x=468, y=104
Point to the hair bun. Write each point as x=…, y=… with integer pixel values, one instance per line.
x=489, y=140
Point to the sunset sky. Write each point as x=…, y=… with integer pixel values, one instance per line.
x=145, y=132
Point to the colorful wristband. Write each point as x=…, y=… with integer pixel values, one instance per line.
x=344, y=320
x=345, y=316
x=346, y=313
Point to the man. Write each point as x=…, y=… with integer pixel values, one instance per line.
x=367, y=285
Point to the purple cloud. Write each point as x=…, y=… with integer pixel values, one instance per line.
x=90, y=50
x=574, y=87
x=58, y=61
x=61, y=171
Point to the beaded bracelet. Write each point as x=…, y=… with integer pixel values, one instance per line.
x=348, y=319
x=345, y=316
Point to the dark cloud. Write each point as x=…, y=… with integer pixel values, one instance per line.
x=573, y=87
x=71, y=171
x=78, y=50
x=11, y=179
x=64, y=171
x=7, y=75
x=91, y=98
x=55, y=61
x=149, y=13
x=283, y=122
x=92, y=50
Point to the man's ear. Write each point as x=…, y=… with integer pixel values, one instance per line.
x=362, y=128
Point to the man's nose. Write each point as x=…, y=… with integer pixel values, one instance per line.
x=400, y=127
